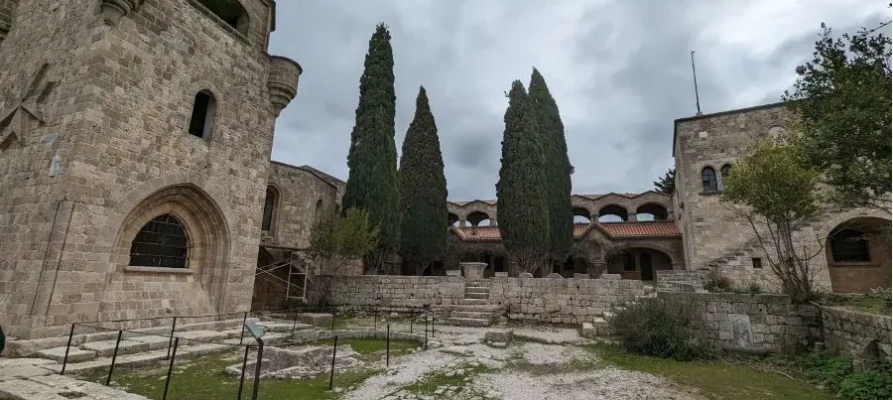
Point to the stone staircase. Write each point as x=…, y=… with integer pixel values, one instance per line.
x=475, y=308
x=93, y=351
x=601, y=325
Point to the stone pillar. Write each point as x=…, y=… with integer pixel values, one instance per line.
x=493, y=221
x=473, y=270
x=678, y=265
x=631, y=217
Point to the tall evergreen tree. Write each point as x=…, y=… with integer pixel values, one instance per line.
x=521, y=201
x=372, y=160
x=423, y=190
x=557, y=169
x=667, y=183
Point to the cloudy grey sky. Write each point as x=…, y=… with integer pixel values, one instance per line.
x=619, y=70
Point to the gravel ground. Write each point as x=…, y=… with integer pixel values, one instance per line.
x=458, y=347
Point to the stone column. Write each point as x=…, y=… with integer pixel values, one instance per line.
x=631, y=217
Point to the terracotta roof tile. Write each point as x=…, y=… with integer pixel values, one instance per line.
x=616, y=230
x=641, y=229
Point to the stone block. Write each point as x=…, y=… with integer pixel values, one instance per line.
x=527, y=275
x=611, y=277
x=498, y=335
x=315, y=319
x=454, y=272
x=581, y=276
x=501, y=274
x=554, y=276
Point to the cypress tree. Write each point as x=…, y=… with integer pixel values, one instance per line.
x=372, y=160
x=423, y=191
x=557, y=168
x=520, y=193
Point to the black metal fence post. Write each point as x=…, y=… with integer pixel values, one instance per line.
x=387, y=362
x=411, y=320
x=170, y=368
x=426, y=331
x=170, y=340
x=108, y=380
x=295, y=325
x=242, y=378
x=257, y=367
x=332, y=372
x=432, y=325
x=242, y=336
x=67, y=348
x=375, y=320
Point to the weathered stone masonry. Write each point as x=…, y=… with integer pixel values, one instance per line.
x=108, y=148
x=849, y=331
x=523, y=299
x=749, y=323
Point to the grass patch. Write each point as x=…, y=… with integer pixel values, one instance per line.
x=715, y=379
x=431, y=382
x=371, y=347
x=873, y=304
x=203, y=378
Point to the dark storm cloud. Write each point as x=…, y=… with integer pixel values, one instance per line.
x=620, y=72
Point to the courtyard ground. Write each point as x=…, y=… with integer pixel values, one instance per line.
x=540, y=363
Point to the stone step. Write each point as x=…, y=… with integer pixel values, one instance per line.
x=599, y=322
x=478, y=296
x=471, y=314
x=484, y=308
x=268, y=338
x=473, y=302
x=106, y=348
x=141, y=359
x=75, y=354
x=200, y=337
x=476, y=290
x=282, y=326
x=607, y=315
x=588, y=330
x=469, y=322
x=85, y=334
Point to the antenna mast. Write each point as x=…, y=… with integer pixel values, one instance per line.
x=695, y=76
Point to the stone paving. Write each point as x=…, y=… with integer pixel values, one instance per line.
x=38, y=379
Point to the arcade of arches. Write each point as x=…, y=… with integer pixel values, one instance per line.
x=858, y=255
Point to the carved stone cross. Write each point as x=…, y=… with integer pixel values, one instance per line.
x=15, y=121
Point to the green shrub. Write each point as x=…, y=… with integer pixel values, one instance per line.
x=867, y=385
x=753, y=288
x=717, y=282
x=648, y=327
x=835, y=372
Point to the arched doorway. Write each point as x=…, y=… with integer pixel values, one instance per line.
x=858, y=255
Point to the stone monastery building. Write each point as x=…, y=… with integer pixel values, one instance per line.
x=136, y=181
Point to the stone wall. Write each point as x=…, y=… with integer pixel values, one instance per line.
x=112, y=150
x=568, y=301
x=302, y=197
x=849, y=331
x=545, y=300
x=669, y=279
x=747, y=323
x=7, y=13
x=387, y=291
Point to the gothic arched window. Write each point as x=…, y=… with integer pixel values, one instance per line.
x=161, y=242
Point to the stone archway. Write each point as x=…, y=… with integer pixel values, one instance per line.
x=857, y=252
x=139, y=291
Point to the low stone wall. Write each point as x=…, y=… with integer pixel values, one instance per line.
x=549, y=300
x=668, y=279
x=850, y=331
x=387, y=291
x=748, y=323
x=558, y=300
